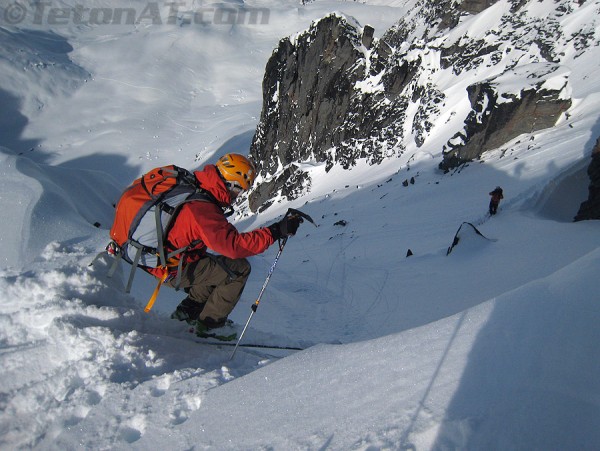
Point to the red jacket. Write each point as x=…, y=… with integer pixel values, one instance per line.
x=206, y=221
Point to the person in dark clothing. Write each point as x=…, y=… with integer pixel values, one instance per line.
x=497, y=196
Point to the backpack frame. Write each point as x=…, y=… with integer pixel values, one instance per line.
x=144, y=215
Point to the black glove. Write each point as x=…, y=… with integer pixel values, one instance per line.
x=286, y=227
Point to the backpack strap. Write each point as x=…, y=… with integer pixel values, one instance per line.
x=164, y=277
x=152, y=299
x=181, y=251
x=159, y=234
x=134, y=265
x=119, y=255
x=115, y=265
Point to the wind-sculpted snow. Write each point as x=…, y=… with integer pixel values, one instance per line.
x=75, y=348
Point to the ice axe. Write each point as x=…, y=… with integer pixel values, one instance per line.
x=291, y=213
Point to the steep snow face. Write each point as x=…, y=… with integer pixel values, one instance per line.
x=30, y=58
x=82, y=364
x=493, y=346
x=44, y=202
x=419, y=86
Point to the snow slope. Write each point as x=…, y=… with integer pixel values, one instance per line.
x=491, y=347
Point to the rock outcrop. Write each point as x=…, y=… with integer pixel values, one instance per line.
x=321, y=104
x=590, y=209
x=499, y=116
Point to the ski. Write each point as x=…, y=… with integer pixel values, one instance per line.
x=250, y=345
x=222, y=338
x=227, y=340
x=213, y=338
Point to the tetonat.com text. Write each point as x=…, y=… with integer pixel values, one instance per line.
x=43, y=13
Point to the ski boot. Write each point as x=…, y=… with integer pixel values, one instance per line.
x=188, y=310
x=224, y=331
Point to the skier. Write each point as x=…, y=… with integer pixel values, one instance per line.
x=214, y=283
x=497, y=196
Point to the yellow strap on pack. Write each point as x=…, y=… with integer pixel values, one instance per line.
x=156, y=290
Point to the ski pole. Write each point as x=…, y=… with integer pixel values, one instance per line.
x=254, y=306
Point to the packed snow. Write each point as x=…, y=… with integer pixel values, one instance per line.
x=493, y=346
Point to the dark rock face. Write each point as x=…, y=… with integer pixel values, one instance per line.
x=290, y=184
x=475, y=6
x=498, y=118
x=306, y=88
x=590, y=209
x=305, y=94
x=321, y=106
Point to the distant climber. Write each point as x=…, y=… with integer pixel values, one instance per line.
x=497, y=196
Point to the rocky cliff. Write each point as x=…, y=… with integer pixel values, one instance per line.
x=496, y=117
x=334, y=94
x=590, y=209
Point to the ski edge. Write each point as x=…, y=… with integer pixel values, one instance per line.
x=249, y=345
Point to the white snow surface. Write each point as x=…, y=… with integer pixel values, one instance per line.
x=494, y=346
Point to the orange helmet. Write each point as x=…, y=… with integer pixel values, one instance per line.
x=237, y=170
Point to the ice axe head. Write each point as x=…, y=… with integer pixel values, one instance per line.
x=293, y=212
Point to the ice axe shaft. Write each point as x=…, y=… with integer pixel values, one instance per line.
x=254, y=306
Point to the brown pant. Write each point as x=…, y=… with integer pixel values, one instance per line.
x=217, y=281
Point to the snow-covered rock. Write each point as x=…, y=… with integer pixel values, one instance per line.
x=475, y=75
